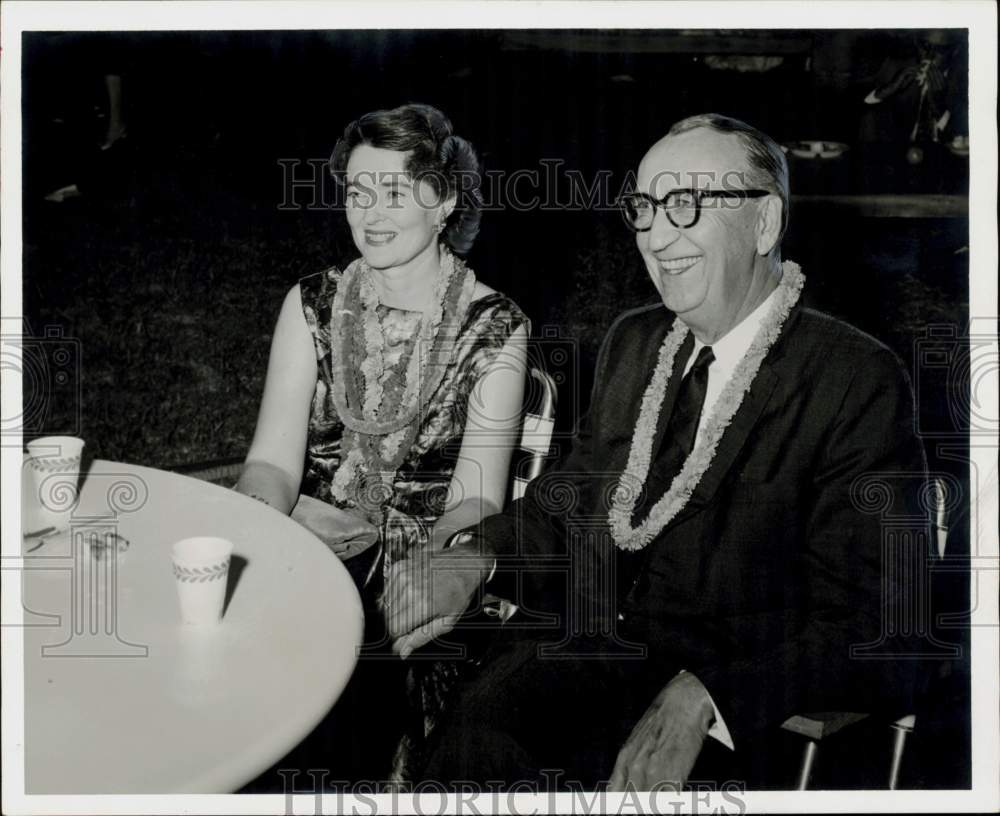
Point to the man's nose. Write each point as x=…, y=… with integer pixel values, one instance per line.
x=662, y=233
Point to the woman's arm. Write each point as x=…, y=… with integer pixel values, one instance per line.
x=478, y=487
x=273, y=469
x=479, y=483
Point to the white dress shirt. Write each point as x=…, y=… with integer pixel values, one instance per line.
x=728, y=350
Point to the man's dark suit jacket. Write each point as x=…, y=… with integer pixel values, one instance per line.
x=761, y=585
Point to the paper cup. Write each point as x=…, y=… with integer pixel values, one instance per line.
x=201, y=569
x=54, y=464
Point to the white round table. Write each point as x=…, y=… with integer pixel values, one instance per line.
x=120, y=697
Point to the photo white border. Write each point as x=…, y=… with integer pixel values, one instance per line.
x=980, y=17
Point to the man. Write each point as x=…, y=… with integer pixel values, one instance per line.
x=722, y=561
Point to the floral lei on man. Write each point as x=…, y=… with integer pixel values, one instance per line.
x=633, y=479
x=381, y=411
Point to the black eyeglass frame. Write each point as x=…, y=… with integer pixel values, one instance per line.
x=699, y=196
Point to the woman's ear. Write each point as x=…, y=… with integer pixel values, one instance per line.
x=769, y=224
x=448, y=207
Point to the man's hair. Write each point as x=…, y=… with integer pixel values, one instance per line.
x=766, y=160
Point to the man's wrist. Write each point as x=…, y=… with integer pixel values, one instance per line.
x=702, y=705
x=465, y=544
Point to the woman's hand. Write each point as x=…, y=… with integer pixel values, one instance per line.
x=345, y=532
x=429, y=591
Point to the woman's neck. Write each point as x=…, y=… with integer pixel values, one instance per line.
x=411, y=285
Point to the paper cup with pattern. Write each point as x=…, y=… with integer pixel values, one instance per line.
x=54, y=464
x=201, y=571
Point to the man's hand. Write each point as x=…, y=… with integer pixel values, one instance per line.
x=428, y=592
x=665, y=743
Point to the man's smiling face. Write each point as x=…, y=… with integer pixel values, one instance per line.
x=703, y=273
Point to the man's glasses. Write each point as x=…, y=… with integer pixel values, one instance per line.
x=683, y=207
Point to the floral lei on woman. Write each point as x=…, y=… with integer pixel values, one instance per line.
x=633, y=479
x=381, y=413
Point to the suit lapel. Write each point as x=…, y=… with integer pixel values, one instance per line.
x=732, y=442
x=733, y=438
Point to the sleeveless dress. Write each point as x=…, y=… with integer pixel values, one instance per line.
x=421, y=483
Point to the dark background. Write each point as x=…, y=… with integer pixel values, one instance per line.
x=161, y=283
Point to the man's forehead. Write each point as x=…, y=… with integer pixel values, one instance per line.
x=701, y=158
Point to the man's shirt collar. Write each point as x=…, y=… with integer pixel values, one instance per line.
x=732, y=346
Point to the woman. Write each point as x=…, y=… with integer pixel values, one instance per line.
x=397, y=381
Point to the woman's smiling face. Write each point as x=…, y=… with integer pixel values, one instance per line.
x=393, y=218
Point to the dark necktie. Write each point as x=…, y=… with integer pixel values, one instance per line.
x=678, y=439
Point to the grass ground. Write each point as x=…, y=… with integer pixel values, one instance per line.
x=172, y=298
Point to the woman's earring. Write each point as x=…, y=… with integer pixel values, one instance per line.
x=440, y=227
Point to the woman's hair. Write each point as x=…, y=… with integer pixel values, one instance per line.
x=436, y=155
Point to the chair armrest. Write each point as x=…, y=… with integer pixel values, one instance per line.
x=823, y=724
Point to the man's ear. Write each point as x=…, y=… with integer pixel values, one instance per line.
x=769, y=224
